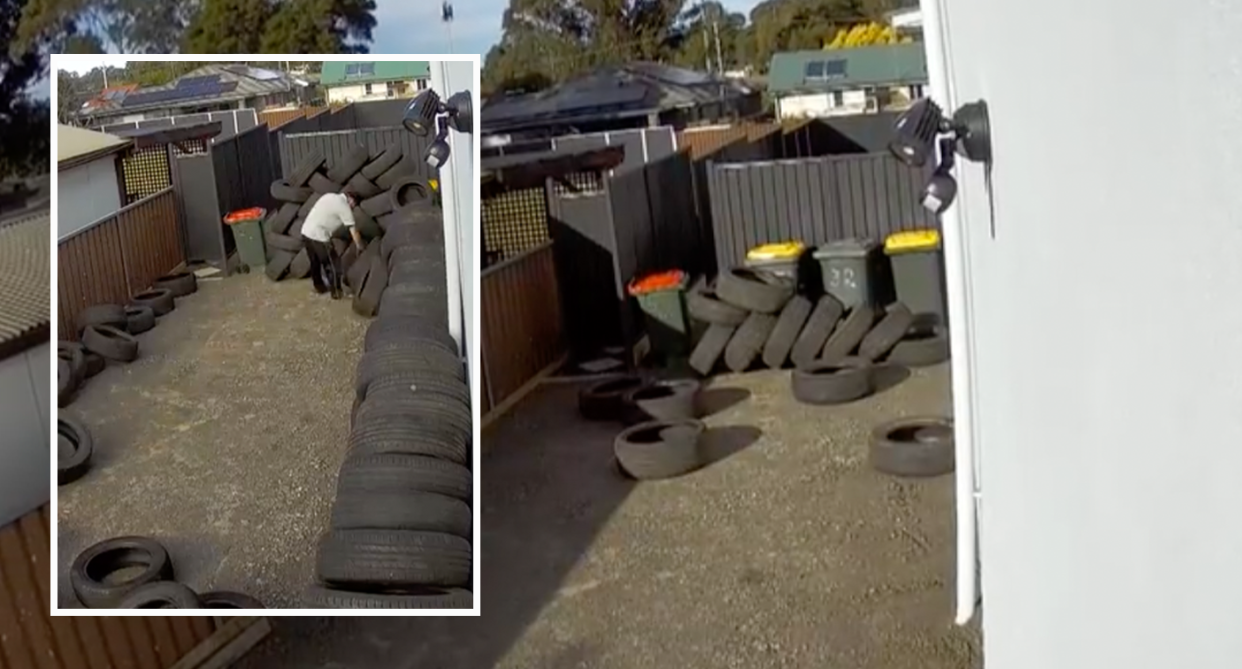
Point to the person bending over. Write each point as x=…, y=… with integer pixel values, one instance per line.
x=331, y=212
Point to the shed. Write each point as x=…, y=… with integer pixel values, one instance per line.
x=87, y=163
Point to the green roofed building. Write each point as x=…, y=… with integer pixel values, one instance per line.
x=356, y=81
x=838, y=82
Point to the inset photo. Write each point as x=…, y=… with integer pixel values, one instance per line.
x=265, y=365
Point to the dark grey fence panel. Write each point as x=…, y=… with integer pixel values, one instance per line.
x=196, y=176
x=631, y=220
x=583, y=246
x=813, y=200
x=678, y=238
x=295, y=147
x=660, y=145
x=244, y=170
x=379, y=113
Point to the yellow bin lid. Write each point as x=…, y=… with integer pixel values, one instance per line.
x=778, y=251
x=912, y=240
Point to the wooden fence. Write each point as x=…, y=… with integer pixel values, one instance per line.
x=31, y=638
x=115, y=257
x=522, y=329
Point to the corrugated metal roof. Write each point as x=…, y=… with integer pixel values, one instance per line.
x=73, y=143
x=251, y=82
x=859, y=66
x=341, y=73
x=25, y=283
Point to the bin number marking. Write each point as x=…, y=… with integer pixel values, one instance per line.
x=842, y=277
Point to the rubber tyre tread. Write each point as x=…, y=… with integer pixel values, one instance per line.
x=280, y=221
x=282, y=192
x=74, y=354
x=673, y=454
x=360, y=266
x=913, y=458
x=304, y=210
x=276, y=240
x=179, y=284
x=99, y=595
x=409, y=191
x=420, y=382
x=112, y=343
x=299, y=267
x=745, y=289
x=348, y=164
x=278, y=266
x=95, y=363
x=398, y=472
x=222, y=599
x=180, y=596
x=921, y=348
x=410, y=434
x=396, y=330
x=440, y=409
x=367, y=298
x=852, y=380
x=424, y=512
x=788, y=325
x=377, y=205
x=848, y=334
x=382, y=362
x=389, y=558
x=75, y=466
x=399, y=169
x=160, y=300
x=101, y=314
x=307, y=167
x=886, y=332
x=381, y=162
x=814, y=335
x=703, y=305
x=324, y=185
x=710, y=347
x=141, y=319
x=366, y=225
x=319, y=597
x=748, y=340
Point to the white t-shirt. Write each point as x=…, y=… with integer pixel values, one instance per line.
x=330, y=212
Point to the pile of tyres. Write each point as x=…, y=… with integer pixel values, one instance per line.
x=106, y=333
x=401, y=528
x=137, y=573
x=662, y=424
x=756, y=318
x=388, y=191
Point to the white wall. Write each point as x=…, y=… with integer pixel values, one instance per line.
x=379, y=91
x=458, y=184
x=87, y=193
x=1103, y=274
x=826, y=104
x=25, y=456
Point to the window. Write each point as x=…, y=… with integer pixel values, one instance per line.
x=820, y=70
x=422, y=84
x=368, y=89
x=916, y=92
x=392, y=88
x=359, y=70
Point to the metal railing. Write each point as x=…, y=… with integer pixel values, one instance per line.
x=117, y=256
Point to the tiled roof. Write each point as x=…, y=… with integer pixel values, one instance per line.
x=25, y=282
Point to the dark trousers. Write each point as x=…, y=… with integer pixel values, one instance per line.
x=325, y=266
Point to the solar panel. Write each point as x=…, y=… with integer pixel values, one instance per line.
x=262, y=75
x=203, y=89
x=197, y=81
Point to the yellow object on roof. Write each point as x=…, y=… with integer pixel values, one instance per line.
x=777, y=251
x=912, y=240
x=76, y=145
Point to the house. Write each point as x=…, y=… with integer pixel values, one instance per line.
x=87, y=164
x=847, y=81
x=358, y=81
x=215, y=87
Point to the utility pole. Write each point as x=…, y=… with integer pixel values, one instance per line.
x=716, y=36
x=446, y=15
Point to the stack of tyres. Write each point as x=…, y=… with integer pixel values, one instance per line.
x=401, y=530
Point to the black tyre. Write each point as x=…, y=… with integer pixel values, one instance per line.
x=299, y=267
x=319, y=597
x=744, y=346
x=366, y=225
x=368, y=293
x=606, y=400
x=848, y=334
x=141, y=319
x=278, y=266
x=886, y=332
x=295, y=230
x=324, y=185
x=111, y=343
x=102, y=314
x=363, y=187
x=442, y=409
x=307, y=167
x=377, y=205
x=283, y=192
x=746, y=289
x=394, y=558
x=703, y=305
x=360, y=266
x=400, y=329
x=303, y=211
x=73, y=354
x=390, y=430
x=425, y=512
x=710, y=347
x=403, y=167
x=160, y=300
x=348, y=164
x=162, y=595
x=93, y=574
x=913, y=447
x=833, y=382
x=179, y=284
x=382, y=362
x=95, y=363
x=421, y=382
x=815, y=332
x=283, y=218
x=221, y=599
x=389, y=222
x=74, y=449
x=780, y=342
x=672, y=400
x=275, y=240
x=382, y=162
x=408, y=192
x=411, y=305
x=660, y=449
x=394, y=472
x=921, y=347
x=65, y=384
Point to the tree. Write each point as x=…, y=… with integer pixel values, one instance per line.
x=319, y=26
x=25, y=123
x=229, y=26
x=866, y=34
